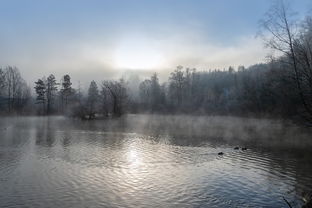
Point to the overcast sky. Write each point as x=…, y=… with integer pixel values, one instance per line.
x=101, y=39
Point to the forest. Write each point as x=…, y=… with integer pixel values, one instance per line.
x=280, y=87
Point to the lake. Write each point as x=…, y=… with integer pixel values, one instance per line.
x=153, y=161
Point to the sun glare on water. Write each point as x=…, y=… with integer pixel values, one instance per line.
x=137, y=55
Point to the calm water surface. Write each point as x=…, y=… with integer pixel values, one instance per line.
x=153, y=161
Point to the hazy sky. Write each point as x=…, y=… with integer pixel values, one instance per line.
x=102, y=39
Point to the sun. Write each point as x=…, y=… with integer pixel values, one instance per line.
x=137, y=55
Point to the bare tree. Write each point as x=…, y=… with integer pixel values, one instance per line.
x=151, y=93
x=13, y=81
x=118, y=93
x=279, y=22
x=105, y=100
x=303, y=52
x=145, y=93
x=176, y=84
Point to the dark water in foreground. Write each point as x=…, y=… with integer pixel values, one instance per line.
x=152, y=161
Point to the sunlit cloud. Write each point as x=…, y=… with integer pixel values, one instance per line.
x=105, y=41
x=137, y=53
x=87, y=60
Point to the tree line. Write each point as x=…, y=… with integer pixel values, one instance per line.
x=282, y=87
x=108, y=100
x=15, y=94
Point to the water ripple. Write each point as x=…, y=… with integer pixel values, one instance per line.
x=51, y=165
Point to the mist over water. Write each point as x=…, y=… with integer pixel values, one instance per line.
x=138, y=110
x=153, y=161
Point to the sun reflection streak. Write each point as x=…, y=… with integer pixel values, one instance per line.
x=133, y=157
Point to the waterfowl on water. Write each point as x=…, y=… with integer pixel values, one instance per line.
x=236, y=148
x=220, y=153
x=244, y=148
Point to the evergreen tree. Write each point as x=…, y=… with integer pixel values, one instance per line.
x=93, y=96
x=51, y=89
x=41, y=92
x=66, y=90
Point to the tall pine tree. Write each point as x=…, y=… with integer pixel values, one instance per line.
x=51, y=89
x=41, y=92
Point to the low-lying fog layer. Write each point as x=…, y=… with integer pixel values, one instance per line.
x=153, y=161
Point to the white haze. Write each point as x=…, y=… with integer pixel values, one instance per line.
x=86, y=60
